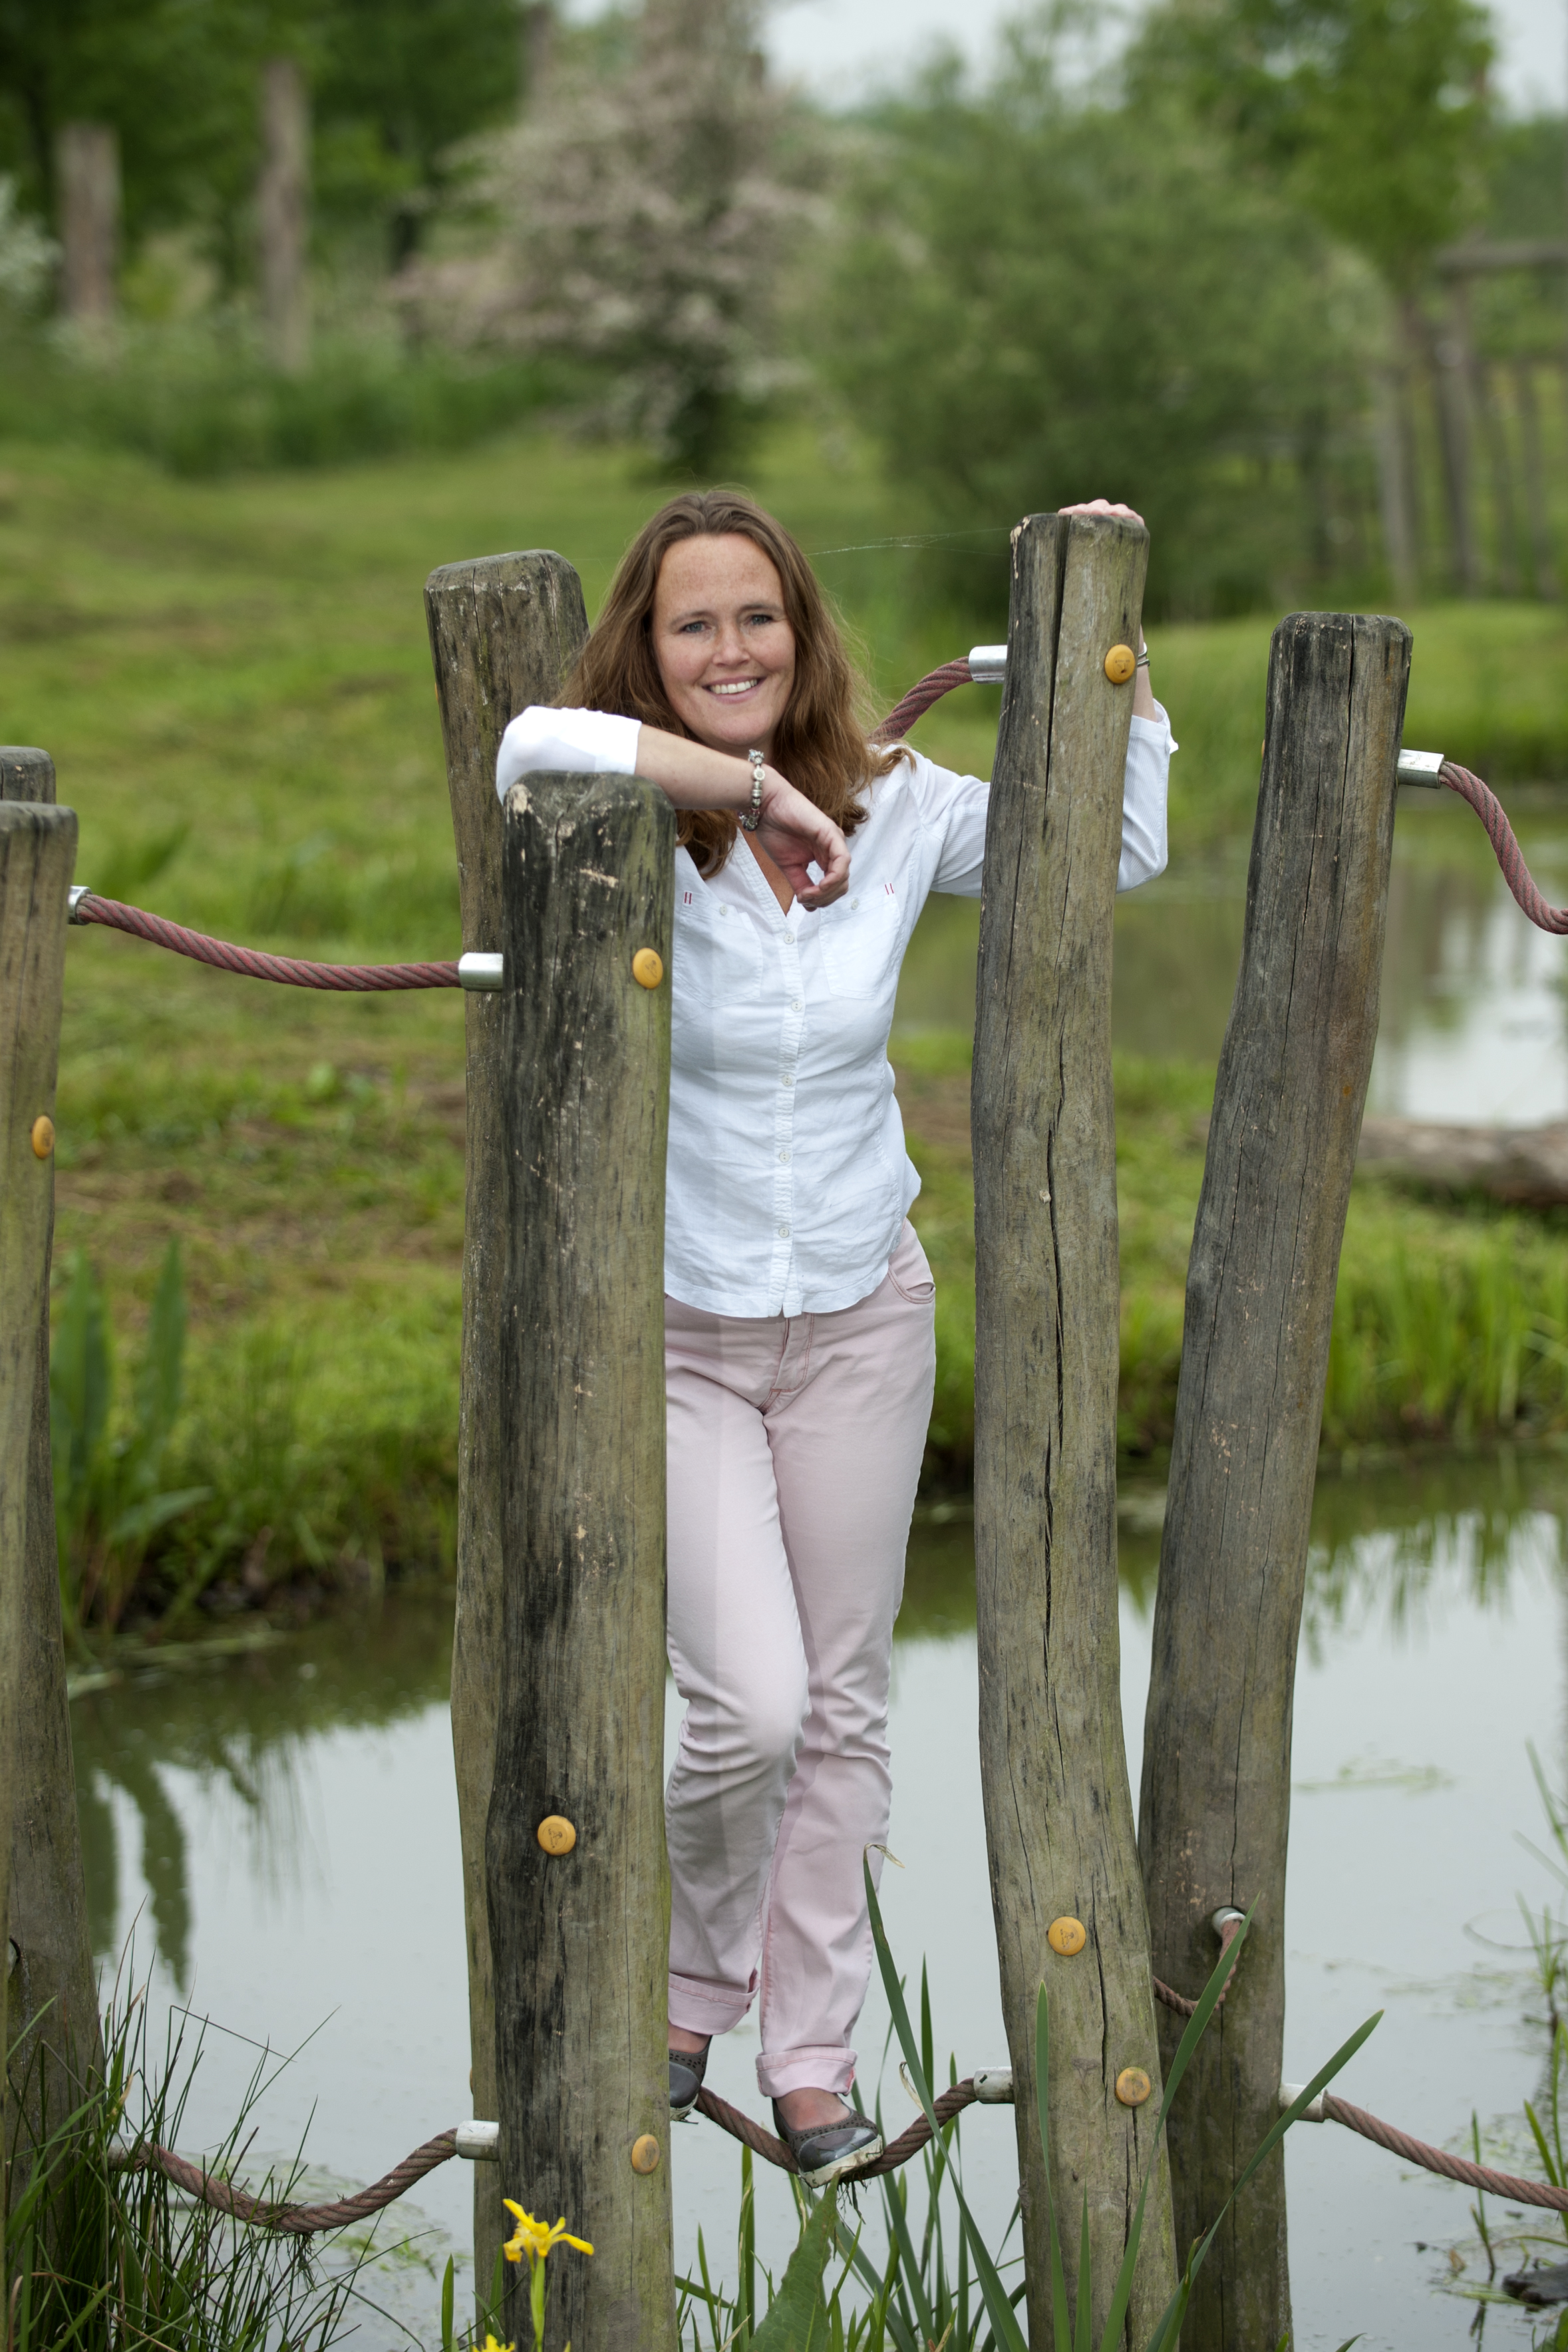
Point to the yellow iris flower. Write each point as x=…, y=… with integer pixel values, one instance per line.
x=491, y=2345
x=535, y=2239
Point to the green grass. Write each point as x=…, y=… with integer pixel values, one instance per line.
x=233, y=680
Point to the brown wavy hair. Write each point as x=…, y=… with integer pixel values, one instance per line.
x=821, y=744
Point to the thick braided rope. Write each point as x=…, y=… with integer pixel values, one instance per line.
x=919, y=699
x=1505, y=2185
x=1510, y=856
x=295, y=2221
x=355, y=978
x=897, y=2151
x=1178, y=2001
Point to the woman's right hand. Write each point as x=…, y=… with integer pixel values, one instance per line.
x=793, y=832
x=797, y=835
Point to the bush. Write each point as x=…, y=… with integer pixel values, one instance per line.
x=200, y=399
x=1044, y=298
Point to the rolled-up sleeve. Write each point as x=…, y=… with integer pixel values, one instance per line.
x=581, y=742
x=1146, y=785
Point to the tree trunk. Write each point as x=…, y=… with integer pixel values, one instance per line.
x=1535, y=494
x=503, y=633
x=537, y=27
x=55, y=2045
x=87, y=172
x=38, y=852
x=1215, y=1811
x=283, y=214
x=1058, y=1811
x=1482, y=394
x=576, y=1870
x=1398, y=526
x=1445, y=358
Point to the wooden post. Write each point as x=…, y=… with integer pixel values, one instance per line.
x=1215, y=1811
x=87, y=171
x=503, y=633
x=283, y=213
x=1059, y=1810
x=37, y=853
x=52, y=1992
x=576, y=1869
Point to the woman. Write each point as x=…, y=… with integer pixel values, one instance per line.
x=799, y=1348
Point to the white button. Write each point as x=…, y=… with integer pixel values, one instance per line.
x=796, y=1005
x=723, y=910
x=783, y=1233
x=787, y=1080
x=783, y=1155
x=853, y=903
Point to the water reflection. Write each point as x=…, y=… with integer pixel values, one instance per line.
x=1474, y=1024
x=238, y=1726
x=289, y=1822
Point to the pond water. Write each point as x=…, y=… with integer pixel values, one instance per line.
x=279, y=1831
x=1474, y=1016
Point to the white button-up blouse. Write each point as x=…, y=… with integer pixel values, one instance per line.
x=787, y=1181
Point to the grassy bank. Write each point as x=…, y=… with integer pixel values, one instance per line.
x=235, y=683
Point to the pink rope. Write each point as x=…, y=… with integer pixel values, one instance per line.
x=355, y=978
x=919, y=699
x=1510, y=856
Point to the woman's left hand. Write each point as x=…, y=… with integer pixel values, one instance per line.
x=1103, y=506
x=1144, y=705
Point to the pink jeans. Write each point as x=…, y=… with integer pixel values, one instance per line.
x=794, y=1448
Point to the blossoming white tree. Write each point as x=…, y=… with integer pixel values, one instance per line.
x=644, y=216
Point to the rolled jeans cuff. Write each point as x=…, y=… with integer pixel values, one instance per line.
x=697, y=2005
x=826, y=2067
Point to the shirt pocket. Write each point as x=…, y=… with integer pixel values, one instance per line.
x=718, y=956
x=861, y=942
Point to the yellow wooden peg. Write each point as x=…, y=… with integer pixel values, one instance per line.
x=646, y=2154
x=1120, y=664
x=1133, y=2086
x=556, y=1834
x=43, y=1136
x=1067, y=1937
x=647, y=967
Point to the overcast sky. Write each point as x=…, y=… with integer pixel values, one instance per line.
x=841, y=48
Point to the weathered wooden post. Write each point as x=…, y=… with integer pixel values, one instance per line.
x=503, y=631
x=51, y=1991
x=577, y=1875
x=1058, y=1810
x=37, y=853
x=1215, y=1809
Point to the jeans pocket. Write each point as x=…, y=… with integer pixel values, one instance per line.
x=908, y=1272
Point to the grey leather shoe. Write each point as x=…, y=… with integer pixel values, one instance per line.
x=829, y=2151
x=687, y=2068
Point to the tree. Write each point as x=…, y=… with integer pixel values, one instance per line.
x=401, y=83
x=1372, y=113
x=394, y=83
x=1043, y=298
x=643, y=218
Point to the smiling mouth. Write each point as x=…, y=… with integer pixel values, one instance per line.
x=734, y=685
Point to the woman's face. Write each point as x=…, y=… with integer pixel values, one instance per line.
x=725, y=650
